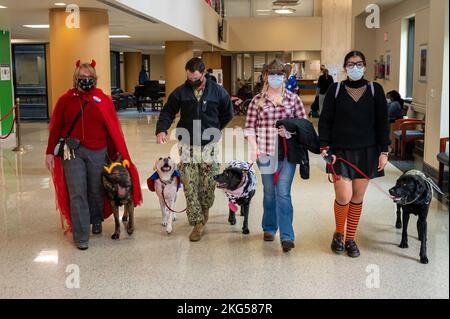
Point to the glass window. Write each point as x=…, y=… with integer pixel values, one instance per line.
x=410, y=58
x=247, y=74
x=115, y=70
x=259, y=59
x=30, y=80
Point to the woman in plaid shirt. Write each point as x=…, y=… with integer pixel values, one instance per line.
x=274, y=103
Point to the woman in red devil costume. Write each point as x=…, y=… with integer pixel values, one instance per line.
x=77, y=174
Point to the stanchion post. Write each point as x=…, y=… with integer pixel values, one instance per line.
x=19, y=147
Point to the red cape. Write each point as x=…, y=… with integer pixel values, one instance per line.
x=116, y=144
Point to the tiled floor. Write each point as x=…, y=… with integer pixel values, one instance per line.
x=37, y=260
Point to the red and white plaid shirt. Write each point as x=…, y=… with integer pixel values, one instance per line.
x=262, y=116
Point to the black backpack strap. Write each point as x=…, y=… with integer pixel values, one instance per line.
x=76, y=119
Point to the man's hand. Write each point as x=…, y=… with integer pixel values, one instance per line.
x=161, y=138
x=50, y=162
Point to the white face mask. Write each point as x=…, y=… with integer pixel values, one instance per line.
x=389, y=100
x=355, y=74
x=276, y=81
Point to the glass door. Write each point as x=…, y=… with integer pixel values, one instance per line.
x=30, y=80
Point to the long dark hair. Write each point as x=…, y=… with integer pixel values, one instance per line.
x=353, y=54
x=395, y=96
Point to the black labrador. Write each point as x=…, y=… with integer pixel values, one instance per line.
x=413, y=195
x=232, y=179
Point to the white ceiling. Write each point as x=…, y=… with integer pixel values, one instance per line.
x=145, y=35
x=263, y=8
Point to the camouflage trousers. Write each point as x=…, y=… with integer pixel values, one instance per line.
x=198, y=165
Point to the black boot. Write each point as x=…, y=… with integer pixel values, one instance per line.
x=287, y=245
x=352, y=248
x=97, y=228
x=337, y=245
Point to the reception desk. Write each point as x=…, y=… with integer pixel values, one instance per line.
x=307, y=87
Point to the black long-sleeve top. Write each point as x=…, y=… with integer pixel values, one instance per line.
x=324, y=83
x=213, y=110
x=346, y=124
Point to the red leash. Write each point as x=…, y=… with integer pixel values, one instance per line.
x=333, y=177
x=168, y=207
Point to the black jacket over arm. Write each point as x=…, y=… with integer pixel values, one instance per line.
x=304, y=139
x=214, y=110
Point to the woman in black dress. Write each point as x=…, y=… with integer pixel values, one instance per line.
x=353, y=125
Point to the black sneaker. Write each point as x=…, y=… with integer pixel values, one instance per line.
x=287, y=245
x=82, y=245
x=97, y=228
x=352, y=248
x=337, y=245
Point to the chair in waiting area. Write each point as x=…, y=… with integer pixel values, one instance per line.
x=442, y=158
x=405, y=132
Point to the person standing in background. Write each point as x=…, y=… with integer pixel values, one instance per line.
x=325, y=80
x=143, y=76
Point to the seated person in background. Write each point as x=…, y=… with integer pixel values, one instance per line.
x=395, y=106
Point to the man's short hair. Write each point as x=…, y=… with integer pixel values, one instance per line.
x=195, y=64
x=210, y=70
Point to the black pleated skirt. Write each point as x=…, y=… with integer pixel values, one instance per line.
x=365, y=159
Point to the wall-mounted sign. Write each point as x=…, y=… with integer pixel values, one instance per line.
x=5, y=72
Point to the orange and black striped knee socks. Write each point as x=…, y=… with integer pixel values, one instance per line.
x=354, y=213
x=340, y=215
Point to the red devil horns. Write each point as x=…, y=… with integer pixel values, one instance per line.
x=93, y=63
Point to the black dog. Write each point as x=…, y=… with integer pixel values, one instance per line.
x=238, y=181
x=413, y=194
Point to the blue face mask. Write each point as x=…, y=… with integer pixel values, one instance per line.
x=355, y=74
x=276, y=81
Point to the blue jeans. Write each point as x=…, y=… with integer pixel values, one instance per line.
x=277, y=203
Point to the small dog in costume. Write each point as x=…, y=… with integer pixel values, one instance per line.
x=238, y=181
x=166, y=183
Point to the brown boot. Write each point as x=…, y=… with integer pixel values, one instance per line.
x=268, y=236
x=196, y=233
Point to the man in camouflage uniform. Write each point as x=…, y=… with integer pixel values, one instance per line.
x=203, y=106
x=197, y=168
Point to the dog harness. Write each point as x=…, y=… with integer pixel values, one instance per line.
x=430, y=184
x=152, y=179
x=248, y=184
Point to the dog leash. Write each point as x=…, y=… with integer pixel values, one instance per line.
x=334, y=177
x=165, y=202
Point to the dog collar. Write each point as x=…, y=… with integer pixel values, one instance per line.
x=168, y=181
